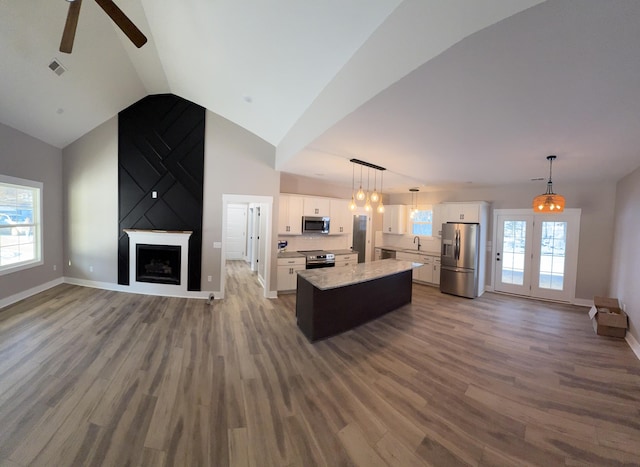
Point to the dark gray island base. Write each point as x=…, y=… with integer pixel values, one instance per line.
x=333, y=300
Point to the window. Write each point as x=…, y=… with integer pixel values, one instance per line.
x=20, y=224
x=422, y=222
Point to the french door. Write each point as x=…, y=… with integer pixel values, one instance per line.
x=536, y=255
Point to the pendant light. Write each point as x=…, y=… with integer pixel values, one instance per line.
x=414, y=202
x=367, y=204
x=549, y=201
x=375, y=197
x=352, y=204
x=360, y=194
x=380, y=205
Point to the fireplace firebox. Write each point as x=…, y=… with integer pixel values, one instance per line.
x=159, y=264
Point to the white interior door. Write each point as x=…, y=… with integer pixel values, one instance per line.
x=236, y=231
x=537, y=255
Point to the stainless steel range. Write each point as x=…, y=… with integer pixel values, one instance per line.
x=319, y=259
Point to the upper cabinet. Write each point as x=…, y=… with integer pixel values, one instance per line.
x=462, y=212
x=290, y=219
x=394, y=219
x=341, y=217
x=317, y=207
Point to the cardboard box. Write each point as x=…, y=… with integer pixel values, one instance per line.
x=607, y=317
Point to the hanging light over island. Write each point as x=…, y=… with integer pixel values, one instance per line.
x=360, y=195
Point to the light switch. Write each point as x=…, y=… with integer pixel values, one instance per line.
x=217, y=244
x=154, y=194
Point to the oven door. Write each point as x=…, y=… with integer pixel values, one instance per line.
x=314, y=265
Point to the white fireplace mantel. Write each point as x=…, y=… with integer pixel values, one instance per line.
x=159, y=237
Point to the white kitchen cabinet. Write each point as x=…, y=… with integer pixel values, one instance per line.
x=436, y=271
x=341, y=217
x=462, y=212
x=290, y=216
x=346, y=260
x=429, y=273
x=287, y=272
x=437, y=219
x=394, y=219
x=316, y=206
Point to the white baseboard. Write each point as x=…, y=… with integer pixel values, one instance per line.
x=582, y=302
x=633, y=343
x=125, y=288
x=272, y=294
x=28, y=293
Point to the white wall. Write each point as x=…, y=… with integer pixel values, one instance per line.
x=25, y=157
x=626, y=250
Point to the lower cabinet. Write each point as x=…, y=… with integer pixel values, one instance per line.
x=346, y=260
x=429, y=273
x=287, y=272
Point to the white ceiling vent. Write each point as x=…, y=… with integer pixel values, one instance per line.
x=57, y=67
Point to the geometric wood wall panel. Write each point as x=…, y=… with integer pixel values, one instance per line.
x=161, y=149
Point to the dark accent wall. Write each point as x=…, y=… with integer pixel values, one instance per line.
x=161, y=149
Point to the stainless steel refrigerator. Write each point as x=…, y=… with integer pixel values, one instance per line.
x=459, y=259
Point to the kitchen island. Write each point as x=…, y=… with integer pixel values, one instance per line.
x=333, y=300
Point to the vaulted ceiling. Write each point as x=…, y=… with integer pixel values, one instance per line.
x=441, y=93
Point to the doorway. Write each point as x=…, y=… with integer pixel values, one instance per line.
x=536, y=255
x=262, y=224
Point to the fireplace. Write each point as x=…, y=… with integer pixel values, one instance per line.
x=159, y=264
x=158, y=261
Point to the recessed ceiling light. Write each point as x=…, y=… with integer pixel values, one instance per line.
x=247, y=99
x=60, y=111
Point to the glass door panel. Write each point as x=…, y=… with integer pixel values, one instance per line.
x=513, y=255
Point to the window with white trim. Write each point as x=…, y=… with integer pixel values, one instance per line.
x=422, y=221
x=20, y=224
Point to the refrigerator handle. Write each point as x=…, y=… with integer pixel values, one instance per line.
x=457, y=247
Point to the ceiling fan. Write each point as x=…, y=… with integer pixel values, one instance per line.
x=110, y=8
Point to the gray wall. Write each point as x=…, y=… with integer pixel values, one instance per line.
x=25, y=157
x=236, y=162
x=626, y=251
x=91, y=205
x=597, y=203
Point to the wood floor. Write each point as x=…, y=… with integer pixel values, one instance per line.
x=91, y=377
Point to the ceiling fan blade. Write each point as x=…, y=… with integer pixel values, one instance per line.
x=124, y=23
x=69, y=33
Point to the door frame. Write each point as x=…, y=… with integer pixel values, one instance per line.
x=266, y=210
x=571, y=266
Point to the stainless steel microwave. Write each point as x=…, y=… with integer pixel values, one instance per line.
x=315, y=224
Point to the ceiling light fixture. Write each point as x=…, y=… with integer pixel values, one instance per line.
x=549, y=201
x=380, y=205
x=374, y=196
x=360, y=195
x=353, y=204
x=414, y=201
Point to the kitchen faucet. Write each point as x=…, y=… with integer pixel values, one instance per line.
x=414, y=241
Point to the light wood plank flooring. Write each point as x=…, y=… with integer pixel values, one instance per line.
x=92, y=377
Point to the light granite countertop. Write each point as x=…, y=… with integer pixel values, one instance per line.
x=410, y=250
x=331, y=278
x=290, y=254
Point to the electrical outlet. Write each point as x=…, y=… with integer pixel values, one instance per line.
x=55, y=268
x=209, y=278
x=90, y=268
